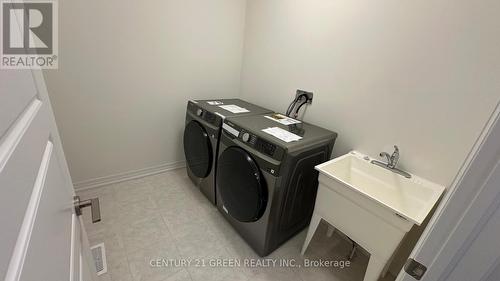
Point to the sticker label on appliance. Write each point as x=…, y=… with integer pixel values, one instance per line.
x=234, y=108
x=215, y=102
x=231, y=130
x=282, y=134
x=282, y=119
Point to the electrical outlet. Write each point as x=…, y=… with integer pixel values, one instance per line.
x=309, y=95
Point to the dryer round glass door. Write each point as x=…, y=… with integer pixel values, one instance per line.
x=198, y=149
x=240, y=184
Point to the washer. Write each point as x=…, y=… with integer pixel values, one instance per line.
x=266, y=187
x=201, y=137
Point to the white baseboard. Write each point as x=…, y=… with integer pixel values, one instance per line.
x=106, y=180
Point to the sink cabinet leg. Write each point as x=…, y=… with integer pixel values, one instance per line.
x=330, y=231
x=313, y=225
x=375, y=266
x=353, y=251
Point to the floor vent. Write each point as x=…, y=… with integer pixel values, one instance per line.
x=99, y=255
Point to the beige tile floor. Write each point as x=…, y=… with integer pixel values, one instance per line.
x=165, y=217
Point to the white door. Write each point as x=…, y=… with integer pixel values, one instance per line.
x=462, y=241
x=41, y=238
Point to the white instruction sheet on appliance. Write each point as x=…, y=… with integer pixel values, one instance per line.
x=234, y=108
x=282, y=134
x=282, y=119
x=215, y=102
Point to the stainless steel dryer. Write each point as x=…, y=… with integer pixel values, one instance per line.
x=201, y=137
x=266, y=187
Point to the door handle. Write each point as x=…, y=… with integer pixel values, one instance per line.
x=92, y=203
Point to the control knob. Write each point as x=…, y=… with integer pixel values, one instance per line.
x=245, y=137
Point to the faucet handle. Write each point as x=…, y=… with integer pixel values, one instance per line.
x=394, y=157
x=396, y=149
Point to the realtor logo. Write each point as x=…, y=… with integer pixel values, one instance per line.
x=29, y=35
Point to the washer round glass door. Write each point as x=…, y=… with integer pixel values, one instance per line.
x=197, y=149
x=240, y=184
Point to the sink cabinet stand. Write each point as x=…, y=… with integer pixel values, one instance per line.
x=372, y=226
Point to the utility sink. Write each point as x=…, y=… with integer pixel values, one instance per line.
x=412, y=198
x=373, y=206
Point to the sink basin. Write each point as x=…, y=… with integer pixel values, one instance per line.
x=373, y=206
x=412, y=198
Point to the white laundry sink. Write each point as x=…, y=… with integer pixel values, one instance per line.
x=374, y=206
x=412, y=198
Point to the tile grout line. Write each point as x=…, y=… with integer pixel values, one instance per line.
x=175, y=244
x=208, y=221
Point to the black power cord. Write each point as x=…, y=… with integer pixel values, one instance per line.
x=291, y=106
x=298, y=108
x=294, y=104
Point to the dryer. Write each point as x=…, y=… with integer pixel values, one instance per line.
x=266, y=187
x=201, y=137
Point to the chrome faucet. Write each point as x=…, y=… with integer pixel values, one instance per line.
x=392, y=161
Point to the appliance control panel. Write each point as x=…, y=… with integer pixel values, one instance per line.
x=248, y=138
x=209, y=117
x=265, y=147
x=202, y=113
x=258, y=143
x=252, y=140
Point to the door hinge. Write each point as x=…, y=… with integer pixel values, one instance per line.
x=415, y=269
x=92, y=203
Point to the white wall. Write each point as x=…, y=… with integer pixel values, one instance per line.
x=417, y=74
x=420, y=74
x=126, y=71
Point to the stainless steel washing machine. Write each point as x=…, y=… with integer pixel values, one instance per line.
x=204, y=120
x=266, y=187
